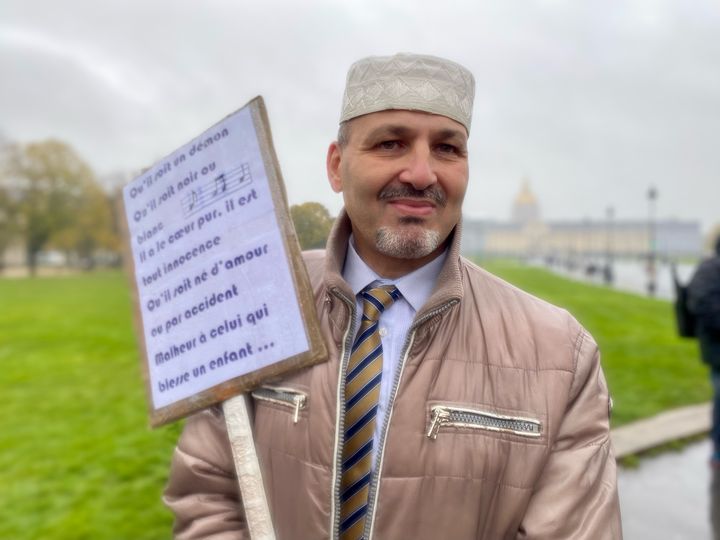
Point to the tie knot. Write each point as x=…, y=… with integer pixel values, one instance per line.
x=377, y=300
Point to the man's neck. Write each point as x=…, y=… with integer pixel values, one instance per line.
x=415, y=287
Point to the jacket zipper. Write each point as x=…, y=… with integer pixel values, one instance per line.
x=340, y=420
x=374, y=482
x=459, y=417
x=287, y=397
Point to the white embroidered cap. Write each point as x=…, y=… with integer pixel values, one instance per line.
x=410, y=82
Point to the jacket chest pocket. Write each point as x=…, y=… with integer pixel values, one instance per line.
x=450, y=417
x=496, y=445
x=285, y=399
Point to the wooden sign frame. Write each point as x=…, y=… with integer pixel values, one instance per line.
x=317, y=351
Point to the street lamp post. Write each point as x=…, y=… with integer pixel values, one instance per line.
x=652, y=195
x=608, y=272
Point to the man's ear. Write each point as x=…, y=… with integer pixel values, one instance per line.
x=334, y=158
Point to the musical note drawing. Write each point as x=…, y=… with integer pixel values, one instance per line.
x=218, y=180
x=219, y=187
x=193, y=199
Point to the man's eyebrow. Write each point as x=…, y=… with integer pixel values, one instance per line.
x=391, y=130
x=452, y=133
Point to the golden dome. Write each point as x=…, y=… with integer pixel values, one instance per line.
x=525, y=208
x=525, y=197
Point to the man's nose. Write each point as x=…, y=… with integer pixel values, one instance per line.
x=419, y=170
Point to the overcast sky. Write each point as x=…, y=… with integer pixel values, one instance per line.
x=593, y=101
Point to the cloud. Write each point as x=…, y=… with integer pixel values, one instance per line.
x=116, y=78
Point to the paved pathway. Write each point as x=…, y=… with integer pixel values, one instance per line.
x=665, y=427
x=668, y=497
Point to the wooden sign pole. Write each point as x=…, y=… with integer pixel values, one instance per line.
x=252, y=489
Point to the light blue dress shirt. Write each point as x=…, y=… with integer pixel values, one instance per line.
x=415, y=287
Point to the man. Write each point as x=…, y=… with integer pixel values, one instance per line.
x=453, y=405
x=704, y=304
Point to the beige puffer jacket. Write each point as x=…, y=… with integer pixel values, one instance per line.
x=497, y=427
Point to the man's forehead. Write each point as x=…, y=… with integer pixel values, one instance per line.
x=405, y=121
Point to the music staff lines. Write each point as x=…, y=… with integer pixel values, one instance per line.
x=221, y=186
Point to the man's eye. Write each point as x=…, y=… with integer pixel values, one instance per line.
x=447, y=148
x=388, y=145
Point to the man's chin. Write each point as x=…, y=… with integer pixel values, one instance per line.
x=407, y=242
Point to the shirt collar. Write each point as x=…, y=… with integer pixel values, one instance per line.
x=416, y=287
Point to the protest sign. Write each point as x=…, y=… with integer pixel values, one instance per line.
x=222, y=297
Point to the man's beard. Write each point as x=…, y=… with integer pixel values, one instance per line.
x=410, y=239
x=407, y=241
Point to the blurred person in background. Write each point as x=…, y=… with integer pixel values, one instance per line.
x=704, y=304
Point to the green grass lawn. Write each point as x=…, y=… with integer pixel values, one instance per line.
x=649, y=368
x=77, y=459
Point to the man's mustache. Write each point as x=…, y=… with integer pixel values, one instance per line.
x=432, y=193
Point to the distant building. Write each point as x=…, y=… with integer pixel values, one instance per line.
x=526, y=234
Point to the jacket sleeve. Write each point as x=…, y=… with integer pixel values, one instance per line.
x=203, y=490
x=704, y=289
x=576, y=495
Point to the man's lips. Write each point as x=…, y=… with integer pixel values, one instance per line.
x=413, y=207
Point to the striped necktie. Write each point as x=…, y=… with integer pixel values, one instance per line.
x=362, y=390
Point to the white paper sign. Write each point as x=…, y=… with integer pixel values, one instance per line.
x=210, y=264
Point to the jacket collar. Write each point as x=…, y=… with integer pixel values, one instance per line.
x=447, y=288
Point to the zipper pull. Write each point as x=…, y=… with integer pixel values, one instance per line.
x=299, y=403
x=440, y=416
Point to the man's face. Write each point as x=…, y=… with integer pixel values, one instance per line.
x=403, y=176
